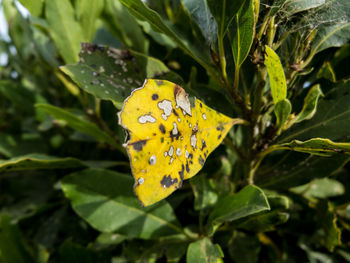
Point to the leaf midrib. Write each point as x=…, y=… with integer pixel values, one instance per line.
x=294, y=135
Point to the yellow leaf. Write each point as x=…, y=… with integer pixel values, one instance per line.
x=170, y=138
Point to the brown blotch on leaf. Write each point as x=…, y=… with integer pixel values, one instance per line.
x=175, y=113
x=176, y=136
x=204, y=145
x=159, y=82
x=162, y=128
x=92, y=47
x=220, y=127
x=187, y=168
x=181, y=173
x=201, y=160
x=138, y=145
x=181, y=98
x=167, y=181
x=155, y=96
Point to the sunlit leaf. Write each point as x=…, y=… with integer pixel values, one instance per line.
x=276, y=75
x=64, y=29
x=170, y=137
x=310, y=104
x=203, y=251
x=87, y=12
x=321, y=146
x=105, y=200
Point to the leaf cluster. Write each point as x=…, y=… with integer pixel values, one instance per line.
x=276, y=190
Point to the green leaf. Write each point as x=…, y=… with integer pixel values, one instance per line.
x=200, y=13
x=320, y=188
x=282, y=110
x=77, y=123
x=250, y=200
x=327, y=72
x=327, y=218
x=35, y=7
x=243, y=32
x=224, y=12
x=244, y=248
x=141, y=11
x=19, y=96
x=320, y=146
x=111, y=74
x=64, y=29
x=292, y=169
x=296, y=6
x=124, y=26
x=11, y=146
x=105, y=72
x=332, y=36
x=332, y=119
x=203, y=251
x=310, y=104
x=38, y=161
x=102, y=196
x=276, y=75
x=204, y=193
x=87, y=12
x=12, y=246
x=70, y=252
x=264, y=222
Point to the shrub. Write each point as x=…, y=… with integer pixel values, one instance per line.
x=275, y=190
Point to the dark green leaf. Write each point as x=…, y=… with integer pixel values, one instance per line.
x=111, y=74
x=292, y=169
x=12, y=246
x=250, y=200
x=11, y=146
x=204, y=193
x=78, y=123
x=243, y=32
x=203, y=251
x=264, y=222
x=87, y=12
x=38, y=161
x=245, y=248
x=282, y=109
x=224, y=12
x=64, y=29
x=332, y=119
x=200, y=13
x=102, y=196
x=332, y=36
x=296, y=6
x=141, y=11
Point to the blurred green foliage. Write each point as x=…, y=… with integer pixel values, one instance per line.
x=276, y=190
